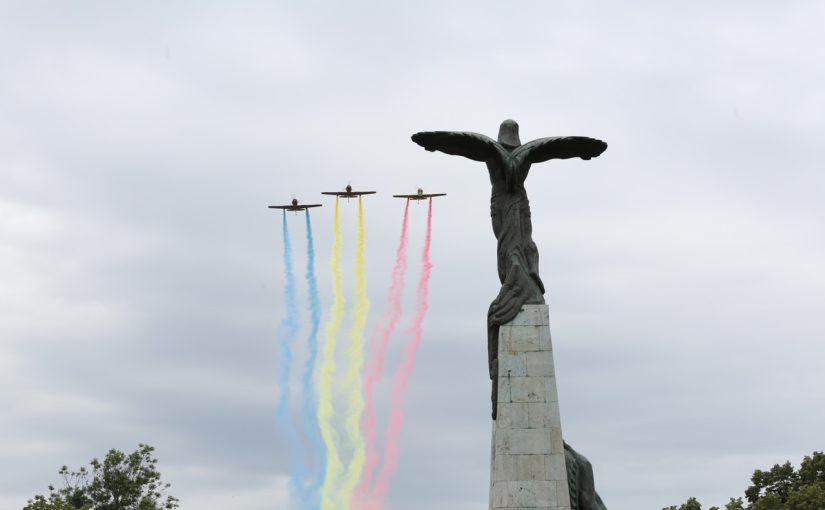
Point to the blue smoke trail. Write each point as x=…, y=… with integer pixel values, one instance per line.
x=310, y=409
x=287, y=334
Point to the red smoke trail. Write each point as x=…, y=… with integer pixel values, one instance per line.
x=402, y=378
x=379, y=340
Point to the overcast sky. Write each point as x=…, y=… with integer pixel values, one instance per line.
x=141, y=281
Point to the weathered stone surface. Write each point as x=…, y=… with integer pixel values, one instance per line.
x=529, y=467
x=513, y=415
x=562, y=494
x=532, y=315
x=504, y=467
x=539, y=364
x=525, y=494
x=513, y=364
x=542, y=416
x=556, y=444
x=522, y=441
x=504, y=389
x=523, y=339
x=550, y=392
x=555, y=467
x=527, y=389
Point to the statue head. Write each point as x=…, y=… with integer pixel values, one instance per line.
x=508, y=134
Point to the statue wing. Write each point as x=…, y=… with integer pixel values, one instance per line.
x=470, y=145
x=560, y=147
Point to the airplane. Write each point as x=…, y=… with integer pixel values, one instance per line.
x=348, y=193
x=294, y=207
x=420, y=195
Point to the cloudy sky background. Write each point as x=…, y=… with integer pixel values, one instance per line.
x=140, y=272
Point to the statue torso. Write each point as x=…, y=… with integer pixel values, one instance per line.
x=508, y=200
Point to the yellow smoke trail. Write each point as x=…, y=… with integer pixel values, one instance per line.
x=334, y=467
x=352, y=379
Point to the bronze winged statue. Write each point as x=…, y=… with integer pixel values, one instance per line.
x=508, y=163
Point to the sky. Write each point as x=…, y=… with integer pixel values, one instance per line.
x=141, y=277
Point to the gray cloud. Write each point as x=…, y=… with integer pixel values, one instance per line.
x=141, y=273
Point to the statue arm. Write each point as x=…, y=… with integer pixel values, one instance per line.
x=560, y=147
x=470, y=145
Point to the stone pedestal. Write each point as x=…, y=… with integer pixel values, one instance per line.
x=527, y=465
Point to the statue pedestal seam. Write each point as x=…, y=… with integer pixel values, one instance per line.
x=527, y=468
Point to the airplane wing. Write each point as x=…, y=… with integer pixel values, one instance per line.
x=419, y=197
x=280, y=206
x=334, y=193
x=363, y=192
x=307, y=206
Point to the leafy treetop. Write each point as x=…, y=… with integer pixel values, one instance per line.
x=119, y=482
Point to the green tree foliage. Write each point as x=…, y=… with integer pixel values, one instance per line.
x=812, y=469
x=779, y=482
x=735, y=504
x=120, y=482
x=779, y=488
x=769, y=501
x=690, y=504
x=807, y=497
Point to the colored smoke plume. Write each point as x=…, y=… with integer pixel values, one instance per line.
x=379, y=341
x=334, y=467
x=402, y=378
x=283, y=415
x=316, y=444
x=352, y=379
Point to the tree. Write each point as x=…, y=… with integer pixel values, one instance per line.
x=808, y=497
x=812, y=470
x=780, y=488
x=690, y=504
x=779, y=481
x=770, y=501
x=734, y=504
x=119, y=482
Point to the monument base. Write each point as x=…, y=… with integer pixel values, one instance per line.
x=527, y=469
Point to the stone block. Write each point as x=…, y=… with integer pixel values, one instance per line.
x=556, y=444
x=512, y=416
x=539, y=364
x=523, y=338
x=542, y=415
x=550, y=392
x=504, y=467
x=529, y=467
x=503, y=389
x=545, y=340
x=529, y=494
x=532, y=315
x=522, y=442
x=498, y=495
x=562, y=494
x=503, y=332
x=555, y=467
x=527, y=389
x=512, y=364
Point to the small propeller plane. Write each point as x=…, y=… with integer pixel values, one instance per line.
x=347, y=193
x=295, y=206
x=420, y=195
